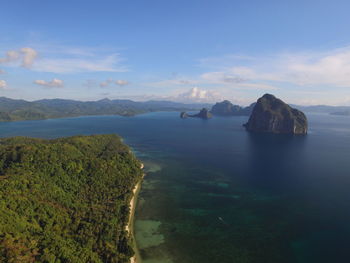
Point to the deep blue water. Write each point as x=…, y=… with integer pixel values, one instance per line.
x=215, y=193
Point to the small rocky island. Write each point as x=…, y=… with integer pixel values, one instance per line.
x=203, y=114
x=183, y=115
x=272, y=115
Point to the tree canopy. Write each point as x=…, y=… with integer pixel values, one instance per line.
x=66, y=200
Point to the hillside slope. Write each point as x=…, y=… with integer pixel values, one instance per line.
x=14, y=110
x=66, y=200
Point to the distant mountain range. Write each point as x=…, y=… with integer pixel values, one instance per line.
x=333, y=110
x=226, y=108
x=13, y=110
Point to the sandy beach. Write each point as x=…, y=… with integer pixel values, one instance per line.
x=129, y=226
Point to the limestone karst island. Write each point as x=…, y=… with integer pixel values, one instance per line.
x=272, y=115
x=268, y=115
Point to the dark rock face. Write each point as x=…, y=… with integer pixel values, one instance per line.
x=246, y=111
x=204, y=114
x=274, y=116
x=226, y=108
x=183, y=115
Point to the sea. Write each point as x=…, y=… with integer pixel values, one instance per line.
x=214, y=193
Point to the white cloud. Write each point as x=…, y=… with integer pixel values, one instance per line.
x=311, y=69
x=224, y=61
x=106, y=83
x=172, y=82
x=2, y=71
x=109, y=82
x=257, y=86
x=198, y=95
x=221, y=78
x=76, y=65
x=25, y=56
x=60, y=59
x=90, y=83
x=238, y=77
x=29, y=55
x=121, y=82
x=193, y=95
x=3, y=84
x=320, y=69
x=10, y=56
x=54, y=83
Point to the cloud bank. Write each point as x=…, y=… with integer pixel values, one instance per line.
x=28, y=56
x=121, y=82
x=198, y=95
x=111, y=82
x=296, y=76
x=61, y=60
x=329, y=68
x=3, y=84
x=54, y=83
x=109, y=63
x=25, y=56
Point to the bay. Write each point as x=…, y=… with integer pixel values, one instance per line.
x=215, y=193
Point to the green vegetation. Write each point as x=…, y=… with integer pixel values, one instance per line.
x=14, y=110
x=66, y=200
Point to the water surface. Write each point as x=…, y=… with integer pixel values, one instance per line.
x=215, y=193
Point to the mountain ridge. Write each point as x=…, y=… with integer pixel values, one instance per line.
x=18, y=109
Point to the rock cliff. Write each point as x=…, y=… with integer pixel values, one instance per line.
x=226, y=108
x=272, y=115
x=203, y=114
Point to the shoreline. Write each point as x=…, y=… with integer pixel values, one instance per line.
x=130, y=226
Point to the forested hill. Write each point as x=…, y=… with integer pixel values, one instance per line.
x=66, y=200
x=12, y=110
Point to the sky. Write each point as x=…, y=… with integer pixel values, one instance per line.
x=189, y=51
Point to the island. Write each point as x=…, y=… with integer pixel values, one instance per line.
x=16, y=110
x=272, y=115
x=203, y=114
x=66, y=199
x=226, y=108
x=183, y=115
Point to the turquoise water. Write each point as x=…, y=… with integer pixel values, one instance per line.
x=215, y=193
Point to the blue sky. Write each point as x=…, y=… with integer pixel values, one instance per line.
x=176, y=50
